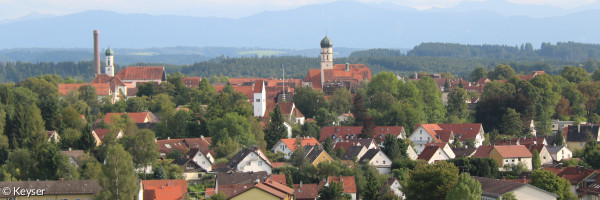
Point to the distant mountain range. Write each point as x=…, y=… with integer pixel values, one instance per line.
x=349, y=24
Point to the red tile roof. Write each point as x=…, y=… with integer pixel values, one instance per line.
x=291, y=143
x=191, y=82
x=101, y=133
x=460, y=131
x=280, y=178
x=356, y=74
x=513, y=151
x=307, y=191
x=141, y=73
x=279, y=186
x=271, y=190
x=165, y=189
x=102, y=89
x=286, y=109
x=139, y=117
x=348, y=182
x=183, y=145
x=573, y=174
x=258, y=86
x=209, y=192
x=428, y=152
x=483, y=151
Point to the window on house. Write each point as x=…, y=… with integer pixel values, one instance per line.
x=519, y=159
x=248, y=163
x=203, y=162
x=384, y=162
x=257, y=100
x=513, y=160
x=506, y=160
x=259, y=163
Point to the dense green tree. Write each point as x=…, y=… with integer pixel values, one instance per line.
x=72, y=119
x=372, y=186
x=341, y=100
x=21, y=164
x=430, y=181
x=509, y=196
x=536, y=163
x=435, y=111
x=328, y=145
x=70, y=138
x=275, y=130
x=311, y=129
x=394, y=148
x=457, y=103
x=477, y=73
x=501, y=72
x=511, y=123
x=466, y=188
x=137, y=104
x=256, y=129
x=218, y=196
x=225, y=147
x=359, y=110
x=575, y=74
x=143, y=149
x=591, y=92
x=325, y=118
x=91, y=168
x=207, y=91
x=545, y=104
x=549, y=181
x=64, y=168
x=596, y=75
x=334, y=191
x=146, y=89
x=87, y=94
x=118, y=180
x=482, y=167
x=309, y=100
x=383, y=82
x=591, y=154
x=232, y=126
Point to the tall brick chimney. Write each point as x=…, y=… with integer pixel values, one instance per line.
x=96, y=52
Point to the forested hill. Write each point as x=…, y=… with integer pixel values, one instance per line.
x=427, y=57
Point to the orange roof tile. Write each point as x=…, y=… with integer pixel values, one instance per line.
x=142, y=73
x=348, y=182
x=291, y=143
x=279, y=186
x=483, y=151
x=280, y=178
x=513, y=151
x=174, y=189
x=428, y=152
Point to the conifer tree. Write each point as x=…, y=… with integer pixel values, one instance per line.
x=276, y=130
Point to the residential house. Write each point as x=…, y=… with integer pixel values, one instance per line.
x=137, y=117
x=62, y=189
x=558, y=125
x=464, y=152
x=492, y=189
x=353, y=153
x=578, y=177
x=75, y=156
x=250, y=160
x=436, y=152
x=238, y=178
x=53, y=136
x=545, y=156
x=346, y=133
x=288, y=146
x=378, y=159
x=578, y=136
x=559, y=152
x=191, y=82
x=392, y=185
x=306, y=191
x=483, y=151
x=266, y=190
x=316, y=154
x=174, y=189
x=508, y=155
x=183, y=146
x=522, y=141
x=132, y=76
x=437, y=133
x=348, y=183
x=195, y=164
x=100, y=133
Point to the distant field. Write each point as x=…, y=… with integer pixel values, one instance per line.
x=144, y=53
x=261, y=52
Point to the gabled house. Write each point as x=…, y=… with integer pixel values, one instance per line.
x=353, y=153
x=316, y=154
x=238, y=178
x=250, y=160
x=378, y=159
x=132, y=76
x=348, y=183
x=508, y=155
x=117, y=89
x=166, y=147
x=522, y=141
x=306, y=191
x=483, y=151
x=545, y=156
x=265, y=190
x=173, y=189
x=53, y=136
x=392, y=185
x=560, y=152
x=138, y=118
x=74, y=156
x=578, y=177
x=191, y=169
x=411, y=153
x=435, y=152
x=578, y=136
x=99, y=135
x=288, y=146
x=346, y=133
x=495, y=189
x=437, y=133
x=464, y=152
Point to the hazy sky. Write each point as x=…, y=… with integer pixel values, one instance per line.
x=10, y=9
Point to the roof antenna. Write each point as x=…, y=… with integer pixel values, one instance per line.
x=283, y=88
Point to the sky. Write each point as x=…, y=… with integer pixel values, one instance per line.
x=13, y=9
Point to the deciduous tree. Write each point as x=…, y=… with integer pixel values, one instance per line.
x=466, y=188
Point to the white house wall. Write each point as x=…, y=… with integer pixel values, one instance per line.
x=204, y=162
x=253, y=163
x=382, y=163
x=281, y=147
x=420, y=137
x=530, y=193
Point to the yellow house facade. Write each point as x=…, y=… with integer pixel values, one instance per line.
x=256, y=193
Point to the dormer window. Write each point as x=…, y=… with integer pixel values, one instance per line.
x=333, y=137
x=168, y=146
